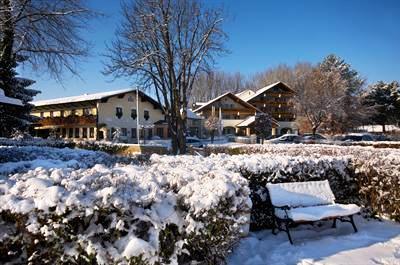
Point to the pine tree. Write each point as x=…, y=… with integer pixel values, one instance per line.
x=384, y=99
x=263, y=125
x=353, y=112
x=14, y=118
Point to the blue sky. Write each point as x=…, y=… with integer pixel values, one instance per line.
x=263, y=34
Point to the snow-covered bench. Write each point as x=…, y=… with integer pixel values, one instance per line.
x=299, y=202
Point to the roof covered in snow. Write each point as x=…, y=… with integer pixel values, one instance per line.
x=10, y=101
x=231, y=95
x=192, y=115
x=92, y=97
x=245, y=94
x=264, y=89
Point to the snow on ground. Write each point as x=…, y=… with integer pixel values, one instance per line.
x=376, y=243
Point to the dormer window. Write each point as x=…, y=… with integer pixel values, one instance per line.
x=146, y=115
x=118, y=112
x=133, y=114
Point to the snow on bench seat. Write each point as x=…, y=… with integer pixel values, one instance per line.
x=301, y=194
x=315, y=213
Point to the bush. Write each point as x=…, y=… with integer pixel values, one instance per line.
x=98, y=211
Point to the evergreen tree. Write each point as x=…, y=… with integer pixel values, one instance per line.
x=353, y=112
x=384, y=99
x=14, y=118
x=263, y=125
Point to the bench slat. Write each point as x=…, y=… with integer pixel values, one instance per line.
x=301, y=194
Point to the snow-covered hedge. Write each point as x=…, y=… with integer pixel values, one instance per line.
x=87, y=207
x=35, y=141
x=376, y=171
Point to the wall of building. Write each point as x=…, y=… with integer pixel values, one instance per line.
x=108, y=117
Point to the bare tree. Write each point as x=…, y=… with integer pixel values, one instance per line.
x=165, y=44
x=209, y=85
x=46, y=33
x=319, y=96
x=212, y=124
x=283, y=73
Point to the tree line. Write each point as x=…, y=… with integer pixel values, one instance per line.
x=331, y=96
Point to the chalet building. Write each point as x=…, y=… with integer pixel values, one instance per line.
x=236, y=115
x=98, y=116
x=237, y=111
x=276, y=99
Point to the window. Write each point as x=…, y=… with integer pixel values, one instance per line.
x=84, y=133
x=124, y=132
x=130, y=99
x=133, y=133
x=146, y=115
x=133, y=114
x=70, y=132
x=118, y=112
x=87, y=111
x=91, y=132
x=76, y=132
x=160, y=132
x=149, y=133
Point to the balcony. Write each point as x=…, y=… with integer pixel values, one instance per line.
x=69, y=120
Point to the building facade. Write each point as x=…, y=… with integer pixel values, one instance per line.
x=101, y=116
x=236, y=116
x=237, y=111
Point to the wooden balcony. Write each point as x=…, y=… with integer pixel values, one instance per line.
x=68, y=121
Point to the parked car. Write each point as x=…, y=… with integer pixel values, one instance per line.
x=313, y=138
x=286, y=138
x=357, y=137
x=194, y=142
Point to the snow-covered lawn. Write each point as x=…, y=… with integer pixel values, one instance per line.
x=375, y=243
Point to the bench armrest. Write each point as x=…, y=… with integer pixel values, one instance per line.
x=284, y=208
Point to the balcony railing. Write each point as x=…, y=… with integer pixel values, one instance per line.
x=69, y=120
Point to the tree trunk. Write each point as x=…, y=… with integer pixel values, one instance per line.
x=383, y=128
x=212, y=136
x=314, y=130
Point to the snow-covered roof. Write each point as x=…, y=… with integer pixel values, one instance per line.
x=247, y=121
x=84, y=97
x=264, y=89
x=245, y=94
x=231, y=95
x=10, y=101
x=192, y=115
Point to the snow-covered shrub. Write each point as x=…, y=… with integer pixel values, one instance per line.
x=379, y=179
x=374, y=170
x=86, y=209
x=108, y=147
x=23, y=139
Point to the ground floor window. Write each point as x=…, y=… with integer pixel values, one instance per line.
x=133, y=133
x=64, y=132
x=91, y=132
x=160, y=132
x=84, y=133
x=77, y=133
x=124, y=132
x=70, y=132
x=149, y=133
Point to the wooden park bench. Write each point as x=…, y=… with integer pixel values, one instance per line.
x=305, y=202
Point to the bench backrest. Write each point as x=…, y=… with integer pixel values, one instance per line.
x=297, y=194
